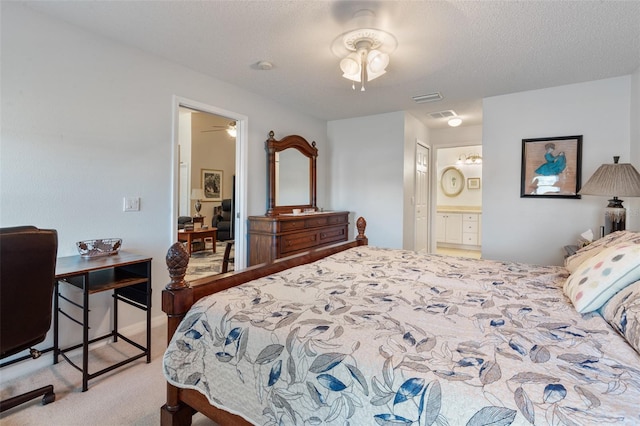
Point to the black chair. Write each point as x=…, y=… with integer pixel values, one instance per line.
x=224, y=221
x=227, y=259
x=27, y=272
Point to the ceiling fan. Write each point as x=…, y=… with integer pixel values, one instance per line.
x=230, y=128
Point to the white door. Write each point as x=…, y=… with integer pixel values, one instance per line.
x=422, y=198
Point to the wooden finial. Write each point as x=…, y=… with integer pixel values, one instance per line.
x=177, y=262
x=361, y=224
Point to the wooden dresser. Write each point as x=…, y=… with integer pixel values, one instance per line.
x=273, y=237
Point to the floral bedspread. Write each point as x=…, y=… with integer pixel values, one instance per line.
x=374, y=336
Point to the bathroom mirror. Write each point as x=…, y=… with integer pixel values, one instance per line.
x=451, y=181
x=292, y=174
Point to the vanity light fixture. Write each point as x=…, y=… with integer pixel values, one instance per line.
x=365, y=54
x=617, y=179
x=469, y=159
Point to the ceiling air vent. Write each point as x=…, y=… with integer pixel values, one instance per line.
x=443, y=114
x=431, y=97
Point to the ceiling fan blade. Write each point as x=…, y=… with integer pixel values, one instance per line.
x=230, y=126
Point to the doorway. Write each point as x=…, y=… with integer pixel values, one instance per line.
x=458, y=195
x=205, y=148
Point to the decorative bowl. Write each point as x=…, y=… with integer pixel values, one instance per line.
x=101, y=247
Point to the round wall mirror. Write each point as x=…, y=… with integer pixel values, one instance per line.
x=451, y=181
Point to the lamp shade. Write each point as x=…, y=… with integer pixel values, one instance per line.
x=617, y=179
x=197, y=194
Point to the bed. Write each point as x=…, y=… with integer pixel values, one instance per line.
x=361, y=335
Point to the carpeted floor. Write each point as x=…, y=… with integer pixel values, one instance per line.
x=205, y=262
x=130, y=395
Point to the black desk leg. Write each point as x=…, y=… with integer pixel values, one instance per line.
x=148, y=312
x=85, y=334
x=56, y=289
x=114, y=333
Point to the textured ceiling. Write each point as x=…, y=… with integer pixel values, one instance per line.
x=465, y=50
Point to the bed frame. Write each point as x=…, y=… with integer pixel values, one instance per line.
x=178, y=297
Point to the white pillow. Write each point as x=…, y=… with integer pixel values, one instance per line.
x=599, y=278
x=574, y=261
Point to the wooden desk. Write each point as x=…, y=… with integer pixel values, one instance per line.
x=128, y=275
x=197, y=234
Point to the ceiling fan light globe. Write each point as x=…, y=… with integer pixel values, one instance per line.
x=377, y=61
x=350, y=65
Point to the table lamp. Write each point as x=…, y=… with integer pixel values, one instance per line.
x=197, y=194
x=617, y=179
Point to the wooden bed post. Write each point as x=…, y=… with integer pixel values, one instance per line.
x=177, y=298
x=361, y=225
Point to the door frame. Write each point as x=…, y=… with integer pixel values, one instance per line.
x=415, y=195
x=434, y=183
x=240, y=218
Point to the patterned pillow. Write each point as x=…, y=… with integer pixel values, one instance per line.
x=574, y=261
x=623, y=313
x=602, y=276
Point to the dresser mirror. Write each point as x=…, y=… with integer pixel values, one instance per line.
x=292, y=174
x=452, y=181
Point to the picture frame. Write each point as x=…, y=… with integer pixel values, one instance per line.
x=551, y=167
x=473, y=183
x=212, y=185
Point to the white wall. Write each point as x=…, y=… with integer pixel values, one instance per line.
x=365, y=173
x=535, y=230
x=372, y=173
x=87, y=121
x=456, y=136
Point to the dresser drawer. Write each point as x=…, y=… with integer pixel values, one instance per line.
x=292, y=225
x=299, y=241
x=333, y=235
x=338, y=219
x=470, y=227
x=305, y=240
x=470, y=239
x=470, y=217
x=315, y=222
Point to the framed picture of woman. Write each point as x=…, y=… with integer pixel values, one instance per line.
x=551, y=167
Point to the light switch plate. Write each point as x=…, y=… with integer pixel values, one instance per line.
x=131, y=204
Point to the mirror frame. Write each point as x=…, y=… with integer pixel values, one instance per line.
x=307, y=149
x=445, y=189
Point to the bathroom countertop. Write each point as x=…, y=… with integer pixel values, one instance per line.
x=459, y=209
